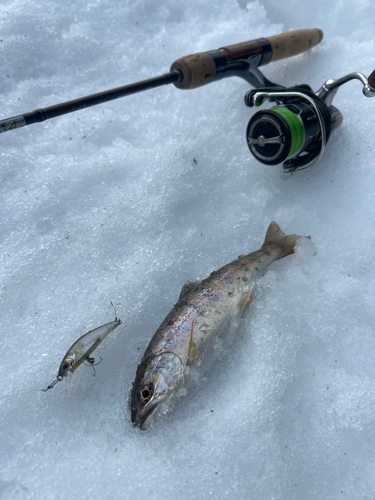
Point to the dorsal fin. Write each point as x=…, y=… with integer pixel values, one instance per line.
x=188, y=287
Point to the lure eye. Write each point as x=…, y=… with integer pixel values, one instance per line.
x=65, y=366
x=145, y=393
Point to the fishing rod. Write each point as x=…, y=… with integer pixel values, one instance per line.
x=190, y=72
x=294, y=133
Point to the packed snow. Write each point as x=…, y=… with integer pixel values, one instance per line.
x=289, y=411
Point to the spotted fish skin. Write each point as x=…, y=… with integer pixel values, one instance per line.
x=188, y=334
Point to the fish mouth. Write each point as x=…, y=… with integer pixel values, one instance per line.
x=143, y=418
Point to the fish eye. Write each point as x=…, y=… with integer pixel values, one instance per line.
x=145, y=393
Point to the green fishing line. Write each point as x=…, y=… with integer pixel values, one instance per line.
x=128, y=206
x=296, y=128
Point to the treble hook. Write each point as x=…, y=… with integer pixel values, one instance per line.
x=92, y=363
x=114, y=308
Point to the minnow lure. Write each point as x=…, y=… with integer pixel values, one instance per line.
x=198, y=323
x=81, y=351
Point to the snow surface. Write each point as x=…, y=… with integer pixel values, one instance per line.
x=289, y=412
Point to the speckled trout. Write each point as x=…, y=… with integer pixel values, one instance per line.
x=187, y=341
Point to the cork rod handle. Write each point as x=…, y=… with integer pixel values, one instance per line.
x=294, y=42
x=200, y=69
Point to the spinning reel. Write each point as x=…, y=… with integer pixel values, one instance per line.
x=295, y=131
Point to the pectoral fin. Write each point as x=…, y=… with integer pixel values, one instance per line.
x=193, y=350
x=246, y=301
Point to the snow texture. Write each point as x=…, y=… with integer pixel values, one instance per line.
x=289, y=412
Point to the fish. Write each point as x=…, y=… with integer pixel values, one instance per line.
x=81, y=351
x=190, y=334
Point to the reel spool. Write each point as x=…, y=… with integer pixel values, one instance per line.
x=295, y=131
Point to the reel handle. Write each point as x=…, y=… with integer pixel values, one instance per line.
x=371, y=79
x=201, y=68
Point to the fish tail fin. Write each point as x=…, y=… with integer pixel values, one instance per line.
x=277, y=237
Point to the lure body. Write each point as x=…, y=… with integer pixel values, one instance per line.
x=194, y=330
x=82, y=349
x=85, y=346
